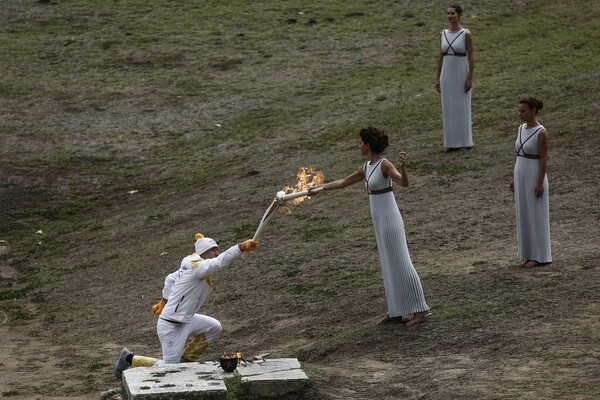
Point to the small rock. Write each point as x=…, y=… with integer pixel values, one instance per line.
x=112, y=394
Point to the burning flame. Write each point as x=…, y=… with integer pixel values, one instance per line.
x=237, y=354
x=307, y=178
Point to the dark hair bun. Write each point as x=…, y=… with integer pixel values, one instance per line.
x=532, y=102
x=375, y=138
x=457, y=8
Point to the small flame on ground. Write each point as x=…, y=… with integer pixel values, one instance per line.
x=307, y=178
x=237, y=354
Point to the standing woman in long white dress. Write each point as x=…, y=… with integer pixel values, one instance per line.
x=403, y=289
x=455, y=80
x=530, y=186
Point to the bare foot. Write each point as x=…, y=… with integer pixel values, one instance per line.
x=418, y=318
x=531, y=264
x=390, y=320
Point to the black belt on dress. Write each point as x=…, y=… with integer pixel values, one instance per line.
x=456, y=54
x=531, y=156
x=381, y=191
x=171, y=321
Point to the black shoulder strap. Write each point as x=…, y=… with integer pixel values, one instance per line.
x=450, y=43
x=372, y=171
x=522, y=143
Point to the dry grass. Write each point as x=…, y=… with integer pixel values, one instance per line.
x=204, y=113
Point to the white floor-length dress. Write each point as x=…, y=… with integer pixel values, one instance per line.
x=403, y=289
x=456, y=103
x=533, y=213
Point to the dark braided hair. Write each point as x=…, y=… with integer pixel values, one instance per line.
x=532, y=102
x=376, y=139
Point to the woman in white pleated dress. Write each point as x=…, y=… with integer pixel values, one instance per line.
x=455, y=80
x=530, y=186
x=403, y=289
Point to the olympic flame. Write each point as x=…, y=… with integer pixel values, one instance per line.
x=307, y=178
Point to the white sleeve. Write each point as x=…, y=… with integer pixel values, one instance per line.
x=169, y=282
x=212, y=265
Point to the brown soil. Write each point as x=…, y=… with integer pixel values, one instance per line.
x=313, y=289
x=497, y=331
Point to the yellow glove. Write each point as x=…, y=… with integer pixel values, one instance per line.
x=249, y=245
x=157, y=308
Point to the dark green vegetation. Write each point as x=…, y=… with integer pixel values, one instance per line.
x=127, y=126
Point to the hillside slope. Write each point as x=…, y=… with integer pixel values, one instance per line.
x=126, y=128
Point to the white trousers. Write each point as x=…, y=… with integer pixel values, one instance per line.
x=173, y=337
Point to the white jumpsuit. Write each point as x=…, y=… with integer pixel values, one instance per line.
x=186, y=291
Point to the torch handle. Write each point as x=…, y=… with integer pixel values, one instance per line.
x=265, y=219
x=291, y=196
x=273, y=207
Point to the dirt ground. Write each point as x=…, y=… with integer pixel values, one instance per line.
x=313, y=288
x=497, y=331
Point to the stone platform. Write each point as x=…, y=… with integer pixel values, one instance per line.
x=262, y=378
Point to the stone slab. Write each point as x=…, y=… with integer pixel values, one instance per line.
x=273, y=378
x=176, y=381
x=263, y=378
x=268, y=365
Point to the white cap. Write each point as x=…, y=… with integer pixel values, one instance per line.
x=203, y=244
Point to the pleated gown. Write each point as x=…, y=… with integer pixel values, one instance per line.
x=403, y=289
x=533, y=213
x=456, y=103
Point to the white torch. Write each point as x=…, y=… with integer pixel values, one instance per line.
x=280, y=199
x=307, y=177
x=266, y=218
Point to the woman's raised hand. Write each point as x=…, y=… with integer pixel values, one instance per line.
x=403, y=157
